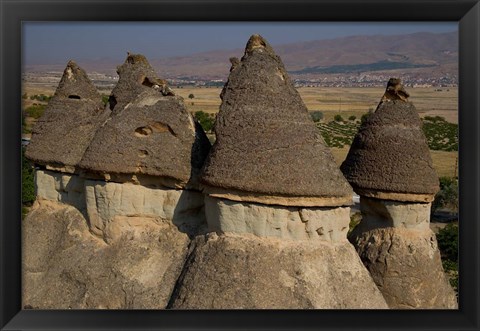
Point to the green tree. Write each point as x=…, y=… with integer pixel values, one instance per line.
x=316, y=115
x=352, y=118
x=338, y=118
x=35, y=111
x=206, y=120
x=448, y=242
x=447, y=197
x=28, y=186
x=105, y=99
x=191, y=96
x=365, y=117
x=447, y=239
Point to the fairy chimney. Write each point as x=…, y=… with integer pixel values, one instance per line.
x=276, y=204
x=390, y=167
x=268, y=150
x=73, y=115
x=153, y=143
x=128, y=215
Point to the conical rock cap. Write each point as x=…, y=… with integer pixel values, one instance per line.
x=153, y=135
x=389, y=157
x=135, y=76
x=71, y=118
x=267, y=144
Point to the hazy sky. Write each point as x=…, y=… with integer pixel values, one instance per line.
x=56, y=43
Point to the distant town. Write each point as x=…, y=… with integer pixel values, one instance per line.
x=107, y=82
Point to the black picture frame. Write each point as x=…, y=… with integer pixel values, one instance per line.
x=13, y=12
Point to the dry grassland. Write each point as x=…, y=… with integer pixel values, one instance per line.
x=358, y=101
x=344, y=101
x=331, y=101
x=206, y=99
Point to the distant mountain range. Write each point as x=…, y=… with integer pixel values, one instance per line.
x=419, y=53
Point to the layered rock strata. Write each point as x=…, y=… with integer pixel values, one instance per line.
x=277, y=207
x=390, y=167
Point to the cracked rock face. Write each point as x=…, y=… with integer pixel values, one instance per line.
x=65, y=266
x=405, y=264
x=266, y=141
x=60, y=187
x=234, y=271
x=71, y=118
x=389, y=157
x=289, y=223
x=378, y=214
x=106, y=204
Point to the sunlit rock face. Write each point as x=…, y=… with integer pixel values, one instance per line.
x=107, y=202
x=65, y=266
x=244, y=271
x=290, y=223
x=406, y=266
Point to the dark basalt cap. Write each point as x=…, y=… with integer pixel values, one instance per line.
x=390, y=153
x=266, y=141
x=135, y=76
x=71, y=118
x=154, y=135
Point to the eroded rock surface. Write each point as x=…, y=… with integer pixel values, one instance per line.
x=290, y=223
x=107, y=202
x=136, y=75
x=150, y=133
x=405, y=264
x=390, y=152
x=378, y=214
x=65, y=266
x=71, y=118
x=234, y=271
x=266, y=141
x=61, y=187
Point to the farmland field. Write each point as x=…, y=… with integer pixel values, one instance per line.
x=345, y=101
x=331, y=101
